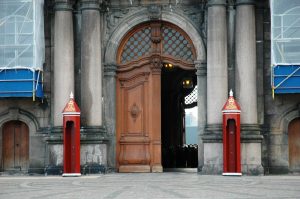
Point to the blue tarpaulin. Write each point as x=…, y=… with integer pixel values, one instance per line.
x=286, y=79
x=21, y=82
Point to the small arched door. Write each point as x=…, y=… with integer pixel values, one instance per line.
x=15, y=147
x=294, y=145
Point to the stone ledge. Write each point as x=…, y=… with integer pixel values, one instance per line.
x=216, y=3
x=62, y=6
x=245, y=2
x=87, y=135
x=251, y=138
x=212, y=138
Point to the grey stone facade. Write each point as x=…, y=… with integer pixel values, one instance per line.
x=264, y=137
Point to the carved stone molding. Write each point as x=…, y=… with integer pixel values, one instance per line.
x=201, y=68
x=62, y=6
x=154, y=12
x=110, y=69
x=90, y=5
x=115, y=15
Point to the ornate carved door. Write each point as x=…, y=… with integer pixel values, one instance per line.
x=15, y=145
x=140, y=58
x=135, y=116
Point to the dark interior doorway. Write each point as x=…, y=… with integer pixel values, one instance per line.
x=176, y=84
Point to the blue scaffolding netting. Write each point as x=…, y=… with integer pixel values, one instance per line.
x=21, y=83
x=286, y=79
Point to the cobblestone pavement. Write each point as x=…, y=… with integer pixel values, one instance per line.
x=150, y=185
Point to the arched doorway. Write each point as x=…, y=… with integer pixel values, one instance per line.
x=294, y=145
x=155, y=73
x=15, y=146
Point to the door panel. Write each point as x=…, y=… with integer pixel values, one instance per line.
x=8, y=146
x=134, y=109
x=15, y=145
x=294, y=144
x=133, y=140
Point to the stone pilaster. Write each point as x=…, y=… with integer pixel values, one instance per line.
x=110, y=110
x=201, y=102
x=91, y=66
x=63, y=59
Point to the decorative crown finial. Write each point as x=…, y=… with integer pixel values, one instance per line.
x=230, y=93
x=71, y=95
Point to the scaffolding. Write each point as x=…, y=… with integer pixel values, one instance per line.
x=22, y=46
x=285, y=46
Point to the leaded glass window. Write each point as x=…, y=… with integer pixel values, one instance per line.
x=137, y=45
x=176, y=45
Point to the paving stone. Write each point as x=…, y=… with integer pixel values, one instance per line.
x=149, y=185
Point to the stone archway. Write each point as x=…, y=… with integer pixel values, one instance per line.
x=23, y=117
x=125, y=25
x=143, y=54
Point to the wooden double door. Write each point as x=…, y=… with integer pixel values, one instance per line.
x=15, y=145
x=138, y=119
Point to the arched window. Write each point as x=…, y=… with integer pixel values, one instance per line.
x=167, y=40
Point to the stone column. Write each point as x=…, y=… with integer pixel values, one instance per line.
x=91, y=67
x=217, y=83
x=245, y=77
x=201, y=102
x=63, y=58
x=110, y=111
x=246, y=91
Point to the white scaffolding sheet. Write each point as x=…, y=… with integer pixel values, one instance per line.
x=21, y=34
x=285, y=32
